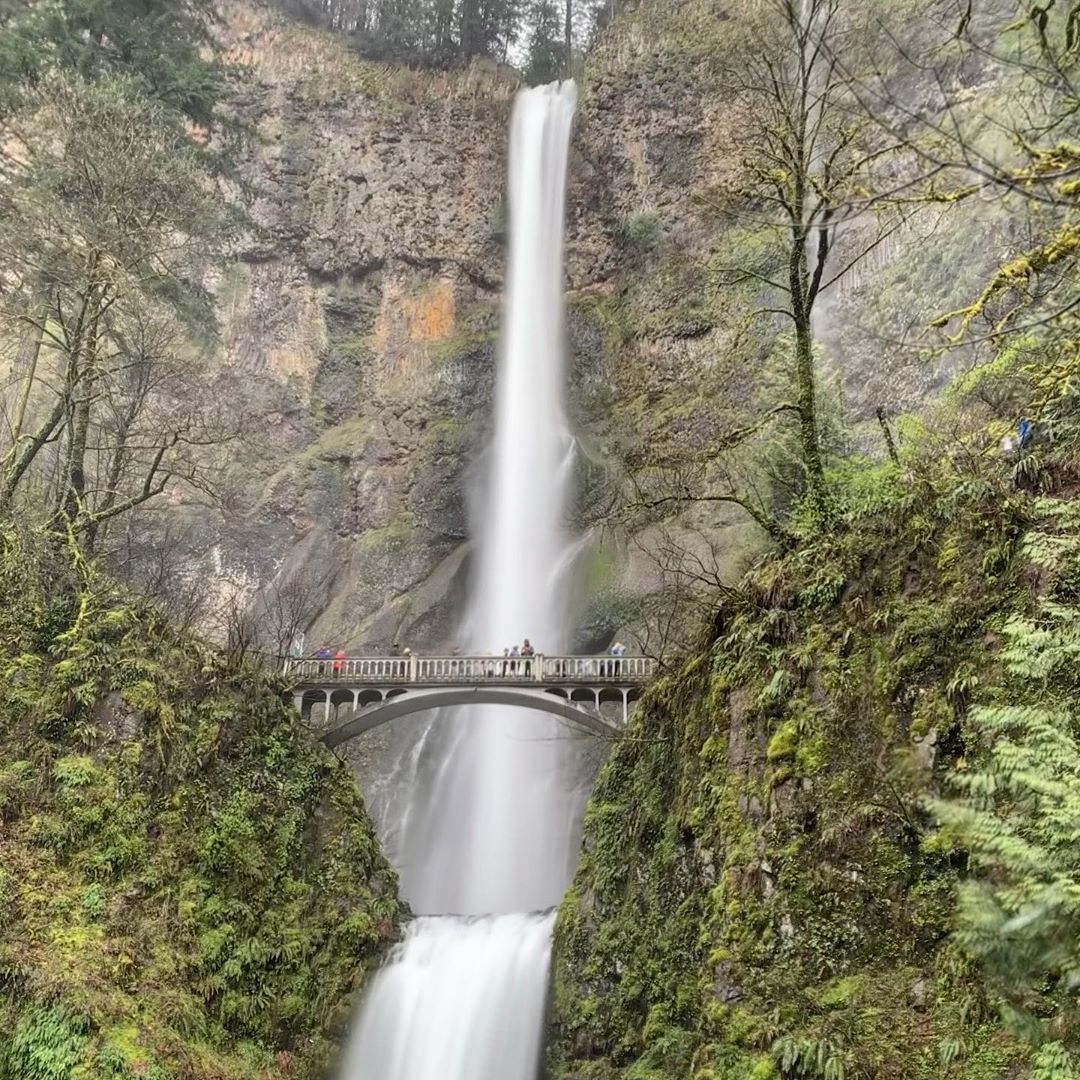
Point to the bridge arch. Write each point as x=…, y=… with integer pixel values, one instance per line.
x=585, y=715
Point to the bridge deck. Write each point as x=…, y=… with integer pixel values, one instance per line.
x=438, y=671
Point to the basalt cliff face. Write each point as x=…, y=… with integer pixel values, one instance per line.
x=360, y=318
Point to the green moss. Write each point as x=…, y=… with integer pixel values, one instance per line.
x=756, y=897
x=197, y=897
x=784, y=742
x=640, y=232
x=385, y=540
x=344, y=441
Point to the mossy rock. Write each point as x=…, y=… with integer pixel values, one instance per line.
x=199, y=890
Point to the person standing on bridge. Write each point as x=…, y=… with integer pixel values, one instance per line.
x=515, y=652
x=322, y=656
x=528, y=652
x=618, y=650
x=339, y=662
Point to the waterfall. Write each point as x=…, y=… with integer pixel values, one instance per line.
x=460, y=999
x=487, y=841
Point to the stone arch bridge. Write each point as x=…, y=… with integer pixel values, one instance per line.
x=594, y=693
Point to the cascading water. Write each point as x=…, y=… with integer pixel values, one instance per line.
x=488, y=837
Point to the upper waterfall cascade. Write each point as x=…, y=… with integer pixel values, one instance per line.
x=488, y=834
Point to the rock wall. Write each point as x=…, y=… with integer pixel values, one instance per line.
x=361, y=315
x=358, y=319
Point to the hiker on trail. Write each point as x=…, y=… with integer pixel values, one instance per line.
x=1025, y=432
x=322, y=656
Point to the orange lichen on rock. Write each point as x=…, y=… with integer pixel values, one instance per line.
x=430, y=314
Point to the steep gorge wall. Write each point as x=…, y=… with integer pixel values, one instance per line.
x=761, y=893
x=360, y=319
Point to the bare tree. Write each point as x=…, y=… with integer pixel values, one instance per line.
x=810, y=167
x=284, y=610
x=690, y=583
x=165, y=562
x=108, y=216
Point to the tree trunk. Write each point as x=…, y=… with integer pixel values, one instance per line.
x=29, y=354
x=30, y=448
x=890, y=444
x=469, y=29
x=805, y=379
x=20, y=459
x=809, y=439
x=76, y=471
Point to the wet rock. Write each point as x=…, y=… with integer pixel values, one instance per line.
x=116, y=718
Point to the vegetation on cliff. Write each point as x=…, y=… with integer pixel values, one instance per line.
x=764, y=889
x=190, y=886
x=839, y=839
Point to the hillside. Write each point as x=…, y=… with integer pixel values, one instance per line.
x=763, y=890
x=191, y=887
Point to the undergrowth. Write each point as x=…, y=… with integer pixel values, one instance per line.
x=190, y=888
x=763, y=891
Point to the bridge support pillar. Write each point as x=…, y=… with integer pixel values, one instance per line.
x=625, y=710
x=298, y=702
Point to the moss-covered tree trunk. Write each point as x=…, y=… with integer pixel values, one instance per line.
x=809, y=436
x=803, y=294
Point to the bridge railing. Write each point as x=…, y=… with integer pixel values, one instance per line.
x=473, y=669
x=590, y=668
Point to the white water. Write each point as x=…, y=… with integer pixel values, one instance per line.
x=488, y=832
x=447, y=1003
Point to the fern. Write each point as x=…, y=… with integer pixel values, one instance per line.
x=1018, y=812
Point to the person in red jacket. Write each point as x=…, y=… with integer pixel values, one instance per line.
x=339, y=662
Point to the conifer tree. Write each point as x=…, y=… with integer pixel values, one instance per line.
x=547, y=52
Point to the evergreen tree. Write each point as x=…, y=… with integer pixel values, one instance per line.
x=165, y=45
x=547, y=53
x=430, y=32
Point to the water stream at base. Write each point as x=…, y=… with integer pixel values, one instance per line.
x=487, y=835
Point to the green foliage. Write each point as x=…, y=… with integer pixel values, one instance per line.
x=439, y=32
x=166, y=46
x=547, y=51
x=640, y=232
x=47, y=1044
x=1017, y=810
x=761, y=892
x=194, y=892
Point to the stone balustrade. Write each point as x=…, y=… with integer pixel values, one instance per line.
x=472, y=670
